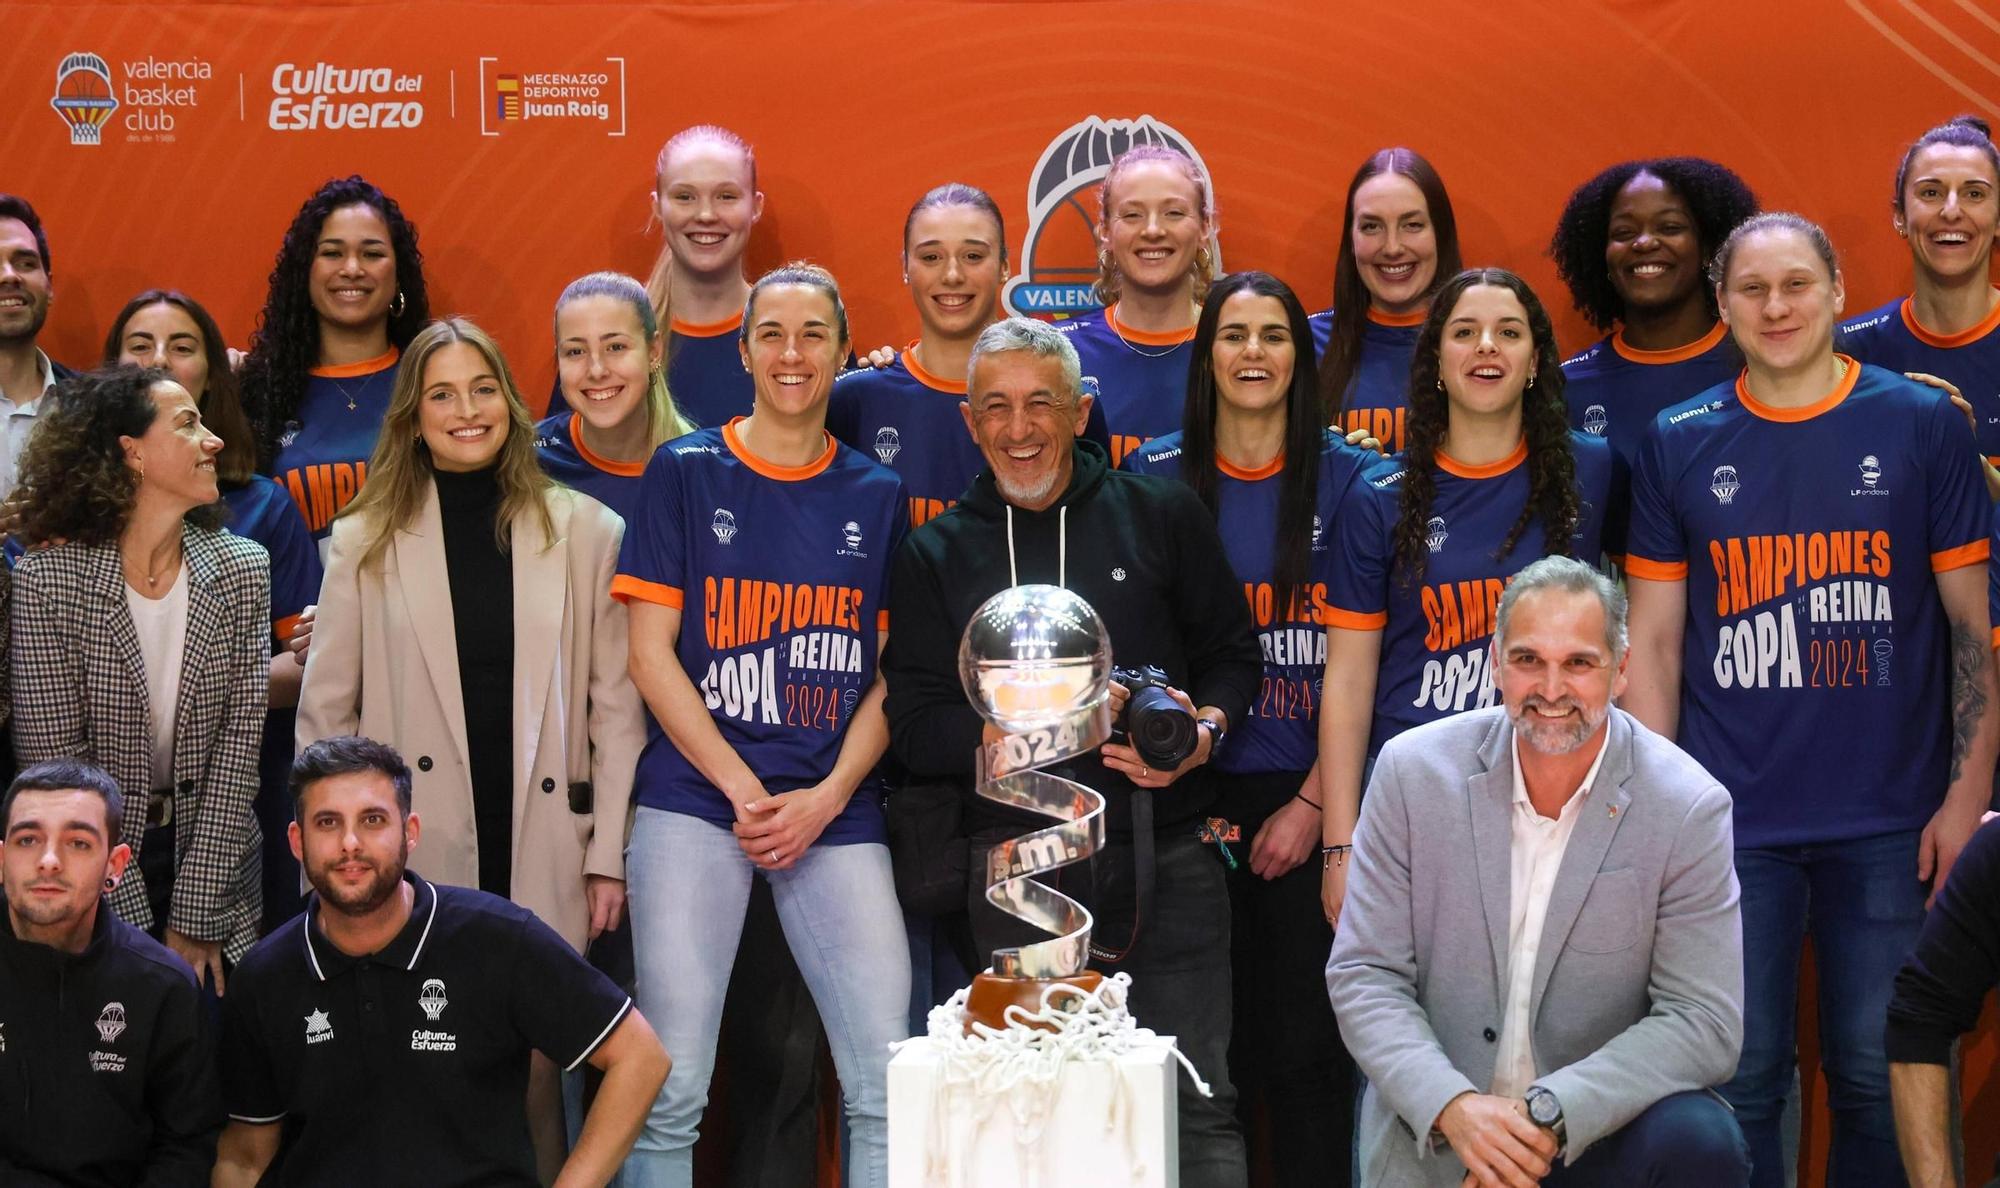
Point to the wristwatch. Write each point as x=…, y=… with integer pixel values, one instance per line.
x=1215, y=734
x=1546, y=1112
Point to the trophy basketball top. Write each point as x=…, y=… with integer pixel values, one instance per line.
x=1034, y=657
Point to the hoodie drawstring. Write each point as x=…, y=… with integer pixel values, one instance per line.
x=1062, y=547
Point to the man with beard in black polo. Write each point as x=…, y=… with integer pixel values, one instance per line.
x=384, y=1034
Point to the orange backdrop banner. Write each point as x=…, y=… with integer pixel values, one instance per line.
x=169, y=144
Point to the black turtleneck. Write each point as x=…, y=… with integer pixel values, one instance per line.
x=482, y=616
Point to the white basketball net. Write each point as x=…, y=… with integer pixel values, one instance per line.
x=1021, y=1066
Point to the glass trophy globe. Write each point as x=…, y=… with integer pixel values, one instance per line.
x=1034, y=657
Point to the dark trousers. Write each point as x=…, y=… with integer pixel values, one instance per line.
x=1285, y=1050
x=1179, y=962
x=1688, y=1140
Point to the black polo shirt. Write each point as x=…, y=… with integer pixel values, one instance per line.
x=409, y=1065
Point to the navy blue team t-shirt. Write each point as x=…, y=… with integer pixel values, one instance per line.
x=1435, y=634
x=323, y=453
x=565, y=458
x=1892, y=338
x=908, y=419
x=1815, y=669
x=1281, y=732
x=1141, y=378
x=1614, y=391
x=263, y=511
x=781, y=576
x=1378, y=397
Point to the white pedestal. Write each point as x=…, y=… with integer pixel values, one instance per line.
x=1113, y=1125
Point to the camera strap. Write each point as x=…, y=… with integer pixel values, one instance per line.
x=1144, y=868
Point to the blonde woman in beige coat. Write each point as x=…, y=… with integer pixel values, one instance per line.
x=494, y=659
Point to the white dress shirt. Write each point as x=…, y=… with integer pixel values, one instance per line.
x=20, y=421
x=1538, y=848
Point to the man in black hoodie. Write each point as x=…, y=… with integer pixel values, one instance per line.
x=1143, y=552
x=107, y=1069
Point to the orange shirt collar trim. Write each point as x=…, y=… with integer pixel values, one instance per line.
x=1413, y=318
x=706, y=329
x=926, y=378
x=1451, y=465
x=1679, y=354
x=1808, y=412
x=1250, y=476
x=784, y=474
x=1145, y=337
x=622, y=469
x=1987, y=325
x=366, y=367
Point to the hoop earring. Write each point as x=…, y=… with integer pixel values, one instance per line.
x=397, y=306
x=1531, y=383
x=1440, y=383
x=110, y=883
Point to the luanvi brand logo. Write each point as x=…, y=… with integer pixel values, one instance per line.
x=1059, y=253
x=590, y=94
x=319, y=1028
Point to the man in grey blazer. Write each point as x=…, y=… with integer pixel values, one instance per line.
x=1540, y=967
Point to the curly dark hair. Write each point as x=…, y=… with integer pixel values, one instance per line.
x=1717, y=198
x=285, y=347
x=73, y=473
x=1552, y=495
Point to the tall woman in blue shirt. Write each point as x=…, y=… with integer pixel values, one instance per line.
x=346, y=296
x=1398, y=243
x=168, y=329
x=1257, y=451
x=1631, y=245
x=1492, y=478
x=756, y=574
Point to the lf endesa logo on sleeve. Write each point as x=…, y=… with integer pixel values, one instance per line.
x=322, y=97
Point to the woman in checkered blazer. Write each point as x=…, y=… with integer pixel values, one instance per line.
x=141, y=644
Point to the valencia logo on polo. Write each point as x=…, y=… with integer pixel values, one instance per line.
x=1059, y=253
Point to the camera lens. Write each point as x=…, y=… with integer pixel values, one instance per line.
x=1162, y=732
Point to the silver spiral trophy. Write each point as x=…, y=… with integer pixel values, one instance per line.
x=1036, y=662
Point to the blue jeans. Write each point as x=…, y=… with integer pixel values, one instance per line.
x=1864, y=905
x=688, y=884
x=1686, y=1140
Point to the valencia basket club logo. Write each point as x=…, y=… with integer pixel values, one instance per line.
x=1059, y=258
x=84, y=97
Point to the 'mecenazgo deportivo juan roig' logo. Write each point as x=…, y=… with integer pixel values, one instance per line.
x=1059, y=253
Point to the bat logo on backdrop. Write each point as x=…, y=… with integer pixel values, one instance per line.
x=1059, y=253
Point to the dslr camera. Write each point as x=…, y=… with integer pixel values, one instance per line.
x=1153, y=723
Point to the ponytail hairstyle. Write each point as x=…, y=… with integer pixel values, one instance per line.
x=798, y=272
x=1552, y=496
x=659, y=281
x=1350, y=294
x=664, y=421
x=401, y=468
x=1968, y=131
x=1305, y=426
x=958, y=194
x=1109, y=282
